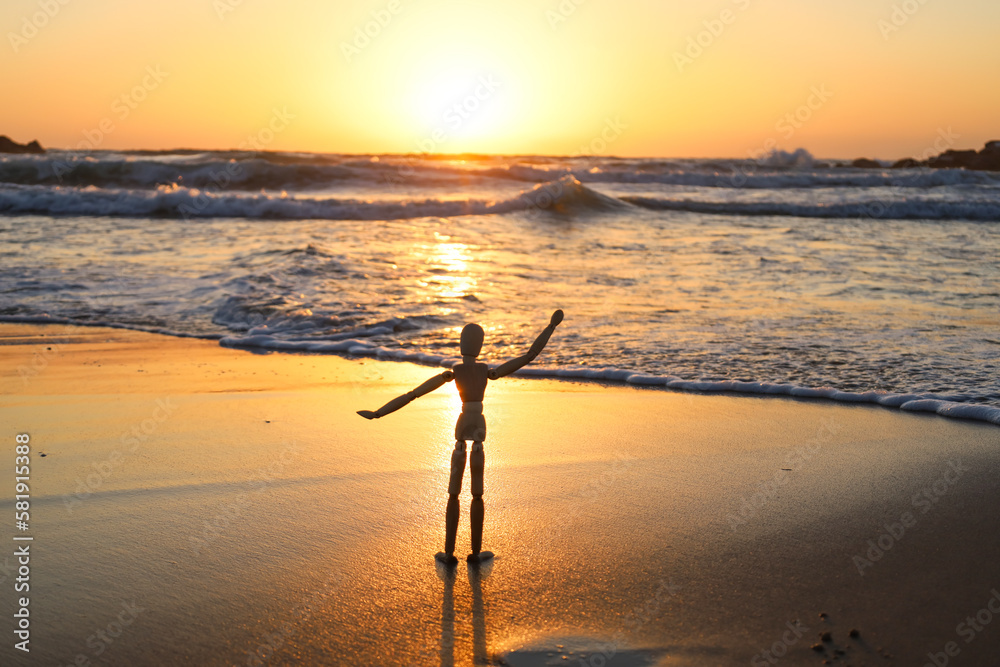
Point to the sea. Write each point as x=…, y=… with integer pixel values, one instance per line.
x=785, y=275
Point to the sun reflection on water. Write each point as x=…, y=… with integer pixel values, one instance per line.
x=447, y=271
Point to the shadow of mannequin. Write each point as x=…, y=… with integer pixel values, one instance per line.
x=480, y=652
x=478, y=572
x=447, y=653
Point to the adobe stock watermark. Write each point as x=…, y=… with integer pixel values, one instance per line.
x=545, y=196
x=459, y=113
x=224, y=176
x=103, y=638
x=129, y=442
x=40, y=359
x=31, y=25
x=587, y=493
x=786, y=126
x=968, y=630
x=608, y=134
x=562, y=12
x=223, y=7
x=946, y=139
x=278, y=123
x=452, y=120
x=698, y=43
x=45, y=353
x=900, y=16
x=751, y=505
x=363, y=35
x=634, y=619
x=794, y=120
x=300, y=613
x=778, y=649
x=8, y=569
x=231, y=511
x=925, y=500
x=121, y=108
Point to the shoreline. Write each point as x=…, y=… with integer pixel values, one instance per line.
x=351, y=349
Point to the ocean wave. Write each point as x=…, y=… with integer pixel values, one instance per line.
x=258, y=328
x=947, y=406
x=292, y=171
x=565, y=196
x=788, y=160
x=194, y=171
x=923, y=209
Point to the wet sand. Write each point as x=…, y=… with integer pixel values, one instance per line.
x=212, y=506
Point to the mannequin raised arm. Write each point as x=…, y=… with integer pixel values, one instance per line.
x=398, y=402
x=509, y=367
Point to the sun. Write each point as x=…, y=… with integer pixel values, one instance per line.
x=454, y=77
x=454, y=101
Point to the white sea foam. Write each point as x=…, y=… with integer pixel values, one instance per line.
x=941, y=405
x=957, y=209
x=800, y=158
x=564, y=196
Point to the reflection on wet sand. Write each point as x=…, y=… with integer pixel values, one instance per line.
x=480, y=651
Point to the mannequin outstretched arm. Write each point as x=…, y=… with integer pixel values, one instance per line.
x=509, y=367
x=398, y=402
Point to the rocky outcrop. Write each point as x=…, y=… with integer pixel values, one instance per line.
x=987, y=159
x=952, y=159
x=865, y=163
x=7, y=145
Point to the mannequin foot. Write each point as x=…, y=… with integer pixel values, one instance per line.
x=447, y=559
x=480, y=557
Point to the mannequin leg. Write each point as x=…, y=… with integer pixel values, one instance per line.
x=477, y=510
x=454, y=488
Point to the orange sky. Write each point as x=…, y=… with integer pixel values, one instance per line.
x=631, y=77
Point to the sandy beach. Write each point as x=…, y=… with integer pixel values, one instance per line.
x=203, y=505
x=732, y=266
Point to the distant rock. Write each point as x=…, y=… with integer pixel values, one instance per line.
x=952, y=159
x=987, y=159
x=7, y=145
x=865, y=163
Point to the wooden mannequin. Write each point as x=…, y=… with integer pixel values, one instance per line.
x=471, y=377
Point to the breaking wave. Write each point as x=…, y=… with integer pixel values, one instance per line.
x=291, y=171
x=564, y=196
x=979, y=211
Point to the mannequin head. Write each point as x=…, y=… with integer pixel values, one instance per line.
x=472, y=340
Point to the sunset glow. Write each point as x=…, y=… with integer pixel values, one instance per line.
x=687, y=79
